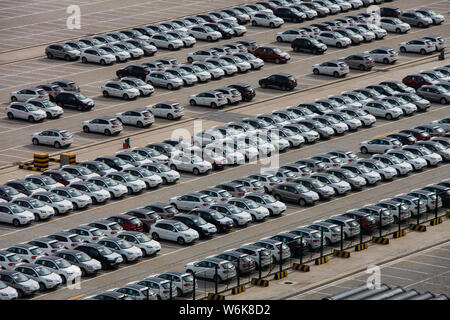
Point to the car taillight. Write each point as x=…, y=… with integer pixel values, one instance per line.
x=391, y=55
x=289, y=82
x=113, y=232
x=334, y=235
x=288, y=179
x=166, y=291
x=33, y=257
x=233, y=96
x=186, y=285
x=73, y=244
x=247, y=92
x=53, y=250
x=335, y=164
x=278, y=252
x=204, y=204
x=428, y=46
x=40, y=97
x=297, y=246
x=144, y=299
x=94, y=238
x=367, y=62
x=225, y=271
x=10, y=264
x=319, y=169
x=222, y=199
x=63, y=139
x=145, y=72
x=146, y=118
x=394, y=147
x=219, y=99
x=315, y=240
x=342, y=69
x=244, y=264
x=255, y=188
x=271, y=183
x=240, y=194
x=175, y=111
x=113, y=127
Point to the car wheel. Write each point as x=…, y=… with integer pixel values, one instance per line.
x=279, y=39
x=10, y=116
x=31, y=119
x=388, y=116
x=213, y=105
x=75, y=206
x=84, y=60
x=271, y=25
x=49, y=115
x=125, y=259
x=49, y=55
x=140, y=124
x=86, y=129
x=339, y=45
x=35, y=141
x=170, y=47
x=164, y=180
x=316, y=71
x=196, y=171
x=107, y=132
x=173, y=167
x=302, y=202
x=57, y=145
x=336, y=74
x=36, y=217
x=423, y=52
x=420, y=25
x=129, y=190
x=398, y=30
x=42, y=286
x=235, y=223
x=402, y=49
x=169, y=116
x=170, y=86
x=102, y=62
x=386, y=61
x=192, y=102
x=155, y=236
x=253, y=218
x=263, y=85
x=277, y=61
x=283, y=88
x=125, y=97
x=364, y=150
x=254, y=23
x=67, y=58
x=361, y=67
x=180, y=241
x=83, y=272
x=327, y=242
x=179, y=292
x=443, y=101
x=209, y=39
x=190, y=60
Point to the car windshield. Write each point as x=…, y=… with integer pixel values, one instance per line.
x=80, y=96
x=93, y=187
x=74, y=192
x=124, y=244
x=104, y=250
x=36, y=203
x=31, y=107
x=333, y=179
x=55, y=198
x=301, y=189
x=10, y=191
x=16, y=209
x=102, y=52
x=42, y=271
x=82, y=257
x=425, y=151
x=181, y=227
x=19, y=277
x=61, y=263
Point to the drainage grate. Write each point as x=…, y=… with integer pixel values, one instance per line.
x=289, y=283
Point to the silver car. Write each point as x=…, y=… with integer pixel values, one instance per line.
x=68, y=272
x=436, y=93
x=164, y=79
x=24, y=284
x=80, y=259
x=128, y=251
x=62, y=51
x=46, y=278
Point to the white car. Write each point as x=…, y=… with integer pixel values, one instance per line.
x=274, y=206
x=134, y=51
x=119, y=89
x=382, y=109
x=189, y=163
x=211, y=99
x=97, y=193
x=202, y=55
x=107, y=126
x=88, y=233
x=29, y=93
x=334, y=39
x=394, y=25
x=232, y=95
x=184, y=36
x=379, y=145
x=209, y=267
x=421, y=46
x=432, y=158
x=138, y=117
x=165, y=41
x=145, y=89
x=418, y=163
x=13, y=214
x=206, y=137
x=215, y=72
x=151, y=179
x=61, y=267
x=128, y=251
x=78, y=199
x=383, y=55
x=204, y=33
x=133, y=184
x=169, y=110
x=7, y=292
x=52, y=110
x=380, y=33
x=25, y=111
x=115, y=189
x=291, y=34
x=59, y=204
x=147, y=245
x=266, y=20
x=255, y=63
x=333, y=68
x=402, y=167
x=201, y=74
x=257, y=211
x=191, y=201
x=53, y=137
x=228, y=68
x=167, y=175
x=173, y=230
x=41, y=210
x=97, y=55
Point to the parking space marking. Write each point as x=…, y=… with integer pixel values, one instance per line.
x=438, y=257
x=426, y=264
x=405, y=269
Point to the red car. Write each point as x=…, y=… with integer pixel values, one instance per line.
x=417, y=80
x=420, y=135
x=128, y=222
x=146, y=216
x=368, y=223
x=61, y=176
x=272, y=54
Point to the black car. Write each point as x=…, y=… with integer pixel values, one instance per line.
x=404, y=138
x=164, y=210
x=442, y=191
x=214, y=217
x=226, y=33
x=74, y=100
x=7, y=193
x=397, y=86
x=390, y=12
x=197, y=223
x=101, y=253
x=293, y=241
x=67, y=85
x=246, y=90
x=113, y=162
x=163, y=148
x=308, y=45
x=282, y=81
x=136, y=70
x=288, y=14
x=322, y=26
